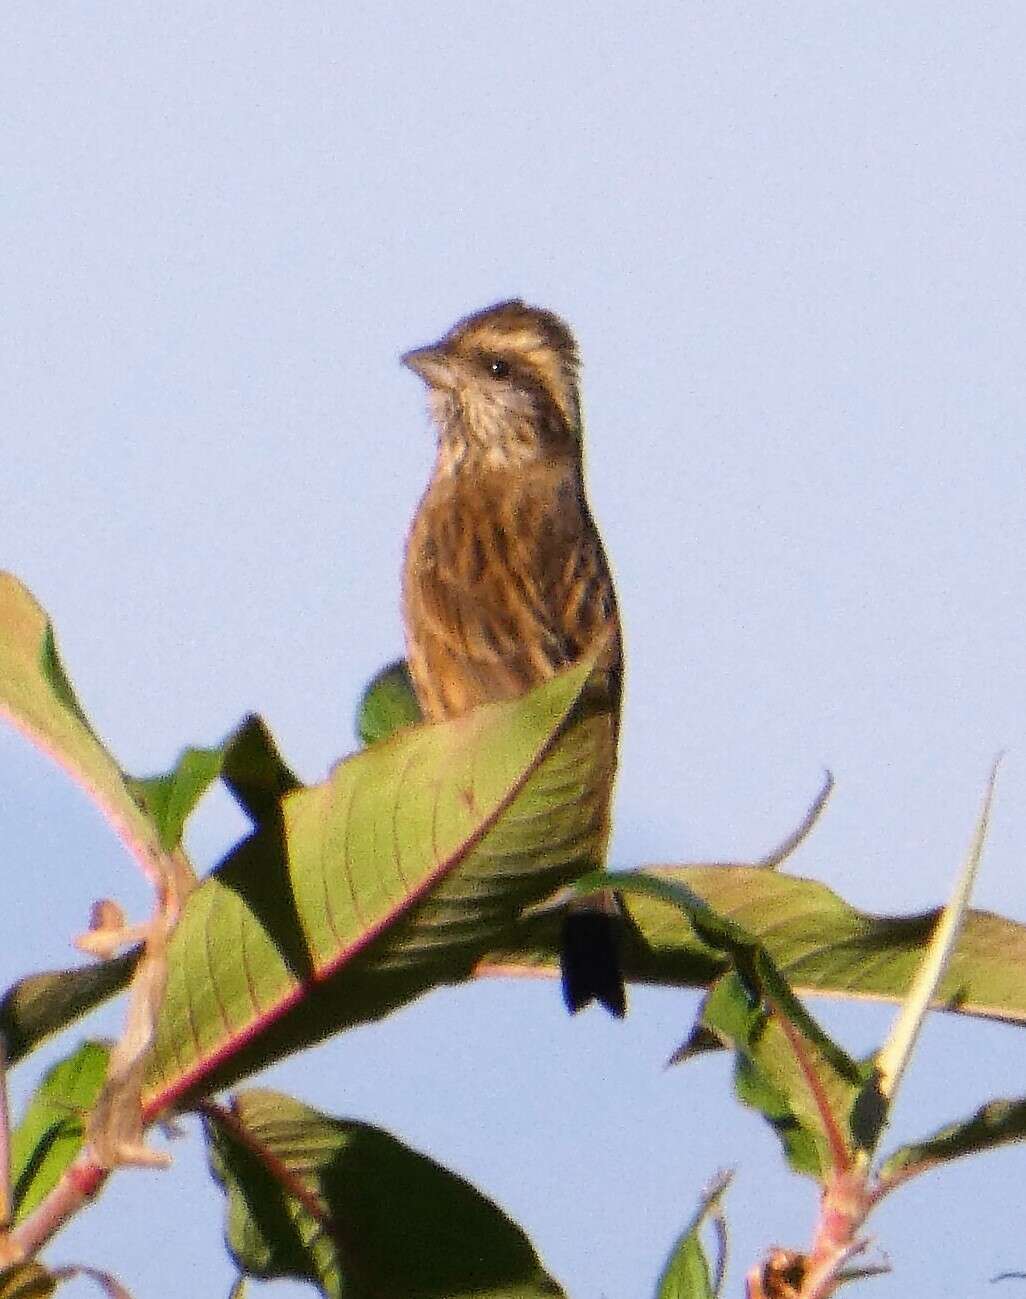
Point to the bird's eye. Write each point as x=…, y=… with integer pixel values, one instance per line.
x=498, y=368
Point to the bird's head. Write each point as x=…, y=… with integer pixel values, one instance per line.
x=503, y=388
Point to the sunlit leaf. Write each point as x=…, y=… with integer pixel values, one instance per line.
x=170, y=799
x=392, y=876
x=819, y=942
x=51, y=1130
x=388, y=703
x=36, y=696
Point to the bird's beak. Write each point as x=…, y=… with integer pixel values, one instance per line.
x=432, y=364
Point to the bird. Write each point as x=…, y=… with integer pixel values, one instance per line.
x=505, y=579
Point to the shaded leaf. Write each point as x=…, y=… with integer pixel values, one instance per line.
x=27, y=1281
x=351, y=1209
x=36, y=1007
x=787, y=1067
x=255, y=772
x=52, y=1128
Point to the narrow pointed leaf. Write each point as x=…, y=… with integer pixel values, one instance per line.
x=351, y=1209
x=687, y=1274
x=900, y=1044
x=995, y=1124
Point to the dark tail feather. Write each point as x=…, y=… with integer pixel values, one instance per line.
x=590, y=960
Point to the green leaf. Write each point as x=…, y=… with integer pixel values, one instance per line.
x=351, y=1209
x=995, y=1124
x=687, y=1274
x=803, y=1084
x=396, y=874
x=247, y=761
x=388, y=703
x=36, y=696
x=170, y=799
x=819, y=942
x=149, y=813
x=747, y=955
x=36, y=1007
x=787, y=1067
x=52, y=1128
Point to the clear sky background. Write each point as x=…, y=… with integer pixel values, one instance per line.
x=791, y=241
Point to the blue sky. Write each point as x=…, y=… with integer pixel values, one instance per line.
x=790, y=239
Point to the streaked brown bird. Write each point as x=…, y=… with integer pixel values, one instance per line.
x=505, y=580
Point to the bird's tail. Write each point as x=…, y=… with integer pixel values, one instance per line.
x=590, y=955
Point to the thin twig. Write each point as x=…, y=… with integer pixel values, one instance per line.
x=783, y=850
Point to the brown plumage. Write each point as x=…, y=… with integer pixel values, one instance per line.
x=505, y=580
